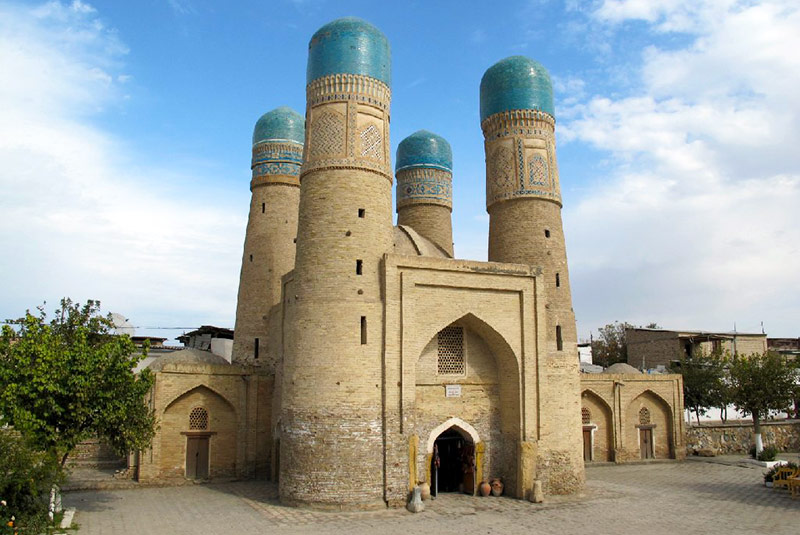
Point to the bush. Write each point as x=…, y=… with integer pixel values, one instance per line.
x=26, y=477
x=769, y=453
x=769, y=475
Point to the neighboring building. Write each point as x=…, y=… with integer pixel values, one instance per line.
x=585, y=352
x=631, y=416
x=784, y=346
x=218, y=340
x=362, y=347
x=649, y=348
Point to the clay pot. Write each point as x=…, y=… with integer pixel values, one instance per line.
x=484, y=488
x=425, y=490
x=497, y=487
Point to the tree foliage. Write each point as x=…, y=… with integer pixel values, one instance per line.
x=761, y=383
x=610, y=346
x=72, y=378
x=26, y=476
x=704, y=381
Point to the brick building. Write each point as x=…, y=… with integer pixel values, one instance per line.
x=363, y=351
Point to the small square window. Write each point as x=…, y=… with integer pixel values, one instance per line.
x=362, y=212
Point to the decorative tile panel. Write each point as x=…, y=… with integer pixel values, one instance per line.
x=423, y=185
x=276, y=163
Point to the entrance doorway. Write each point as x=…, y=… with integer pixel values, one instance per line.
x=646, y=443
x=587, y=445
x=453, y=463
x=197, y=457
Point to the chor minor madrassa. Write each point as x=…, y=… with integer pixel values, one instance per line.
x=366, y=359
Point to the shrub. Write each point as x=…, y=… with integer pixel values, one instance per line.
x=769, y=475
x=769, y=453
x=26, y=477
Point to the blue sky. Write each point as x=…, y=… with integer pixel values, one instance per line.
x=125, y=145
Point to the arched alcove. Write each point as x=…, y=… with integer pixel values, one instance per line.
x=649, y=426
x=598, y=432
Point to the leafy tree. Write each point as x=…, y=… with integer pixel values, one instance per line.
x=72, y=378
x=704, y=379
x=761, y=383
x=610, y=346
x=26, y=477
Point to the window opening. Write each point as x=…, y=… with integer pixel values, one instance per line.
x=586, y=416
x=558, y=280
x=198, y=419
x=263, y=207
x=251, y=258
x=359, y=267
x=644, y=416
x=363, y=330
x=546, y=233
x=450, y=341
x=559, y=341
x=255, y=349
x=362, y=212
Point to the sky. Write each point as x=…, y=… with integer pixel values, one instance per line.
x=125, y=138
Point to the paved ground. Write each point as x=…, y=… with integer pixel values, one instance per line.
x=663, y=498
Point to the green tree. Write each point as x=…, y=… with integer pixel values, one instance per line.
x=761, y=383
x=71, y=379
x=704, y=383
x=610, y=346
x=26, y=477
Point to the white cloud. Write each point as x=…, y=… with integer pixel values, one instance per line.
x=82, y=216
x=694, y=224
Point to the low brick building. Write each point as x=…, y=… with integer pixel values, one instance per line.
x=649, y=348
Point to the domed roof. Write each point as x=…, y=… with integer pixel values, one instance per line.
x=280, y=124
x=516, y=83
x=424, y=149
x=621, y=367
x=352, y=46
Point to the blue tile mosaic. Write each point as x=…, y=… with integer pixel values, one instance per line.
x=349, y=45
x=280, y=124
x=424, y=149
x=516, y=83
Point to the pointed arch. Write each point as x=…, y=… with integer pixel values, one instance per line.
x=197, y=388
x=459, y=424
x=591, y=394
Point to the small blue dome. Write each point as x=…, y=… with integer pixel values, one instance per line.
x=280, y=124
x=516, y=83
x=424, y=149
x=349, y=46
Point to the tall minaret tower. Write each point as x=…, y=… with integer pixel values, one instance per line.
x=271, y=230
x=331, y=404
x=523, y=198
x=424, y=169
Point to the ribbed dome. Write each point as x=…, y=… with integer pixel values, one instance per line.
x=516, y=83
x=280, y=124
x=424, y=149
x=349, y=46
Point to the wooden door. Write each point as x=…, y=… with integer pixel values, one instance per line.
x=646, y=443
x=197, y=457
x=587, y=445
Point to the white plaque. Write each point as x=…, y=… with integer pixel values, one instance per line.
x=452, y=391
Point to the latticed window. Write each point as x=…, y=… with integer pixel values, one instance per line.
x=586, y=416
x=451, y=350
x=644, y=416
x=198, y=418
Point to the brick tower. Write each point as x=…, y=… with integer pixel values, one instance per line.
x=424, y=170
x=331, y=450
x=523, y=198
x=271, y=230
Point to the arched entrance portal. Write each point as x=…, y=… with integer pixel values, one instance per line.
x=453, y=463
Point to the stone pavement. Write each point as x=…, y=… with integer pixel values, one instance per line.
x=657, y=498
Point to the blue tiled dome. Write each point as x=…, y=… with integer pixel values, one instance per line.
x=424, y=149
x=349, y=46
x=280, y=124
x=516, y=83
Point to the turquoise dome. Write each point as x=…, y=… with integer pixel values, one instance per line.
x=280, y=124
x=516, y=83
x=424, y=149
x=349, y=46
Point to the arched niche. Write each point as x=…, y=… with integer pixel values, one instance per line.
x=598, y=433
x=652, y=437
